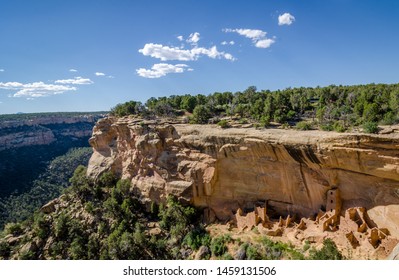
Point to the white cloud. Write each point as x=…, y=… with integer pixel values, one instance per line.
x=99, y=74
x=110, y=77
x=257, y=36
x=165, y=53
x=193, y=38
x=36, y=89
x=264, y=44
x=180, y=38
x=254, y=34
x=161, y=69
x=75, y=81
x=73, y=70
x=2, y=70
x=286, y=19
x=227, y=43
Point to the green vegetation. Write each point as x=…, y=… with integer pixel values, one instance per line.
x=223, y=124
x=328, y=252
x=119, y=227
x=50, y=181
x=218, y=245
x=106, y=220
x=370, y=127
x=330, y=108
x=303, y=125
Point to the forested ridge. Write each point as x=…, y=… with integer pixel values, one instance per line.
x=338, y=108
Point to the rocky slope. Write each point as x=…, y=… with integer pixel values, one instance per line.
x=223, y=170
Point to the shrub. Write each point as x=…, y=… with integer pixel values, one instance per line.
x=223, y=124
x=201, y=114
x=218, y=245
x=252, y=253
x=370, y=127
x=265, y=121
x=327, y=127
x=339, y=126
x=243, y=121
x=389, y=118
x=328, y=252
x=13, y=228
x=303, y=125
x=196, y=238
x=93, y=247
x=79, y=177
x=227, y=256
x=176, y=218
x=61, y=227
x=78, y=250
x=41, y=226
x=89, y=207
x=107, y=179
x=128, y=108
x=154, y=209
x=123, y=186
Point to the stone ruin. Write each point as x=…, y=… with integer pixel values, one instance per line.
x=355, y=225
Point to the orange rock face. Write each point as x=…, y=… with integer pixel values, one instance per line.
x=226, y=169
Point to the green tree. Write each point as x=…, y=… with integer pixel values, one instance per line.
x=201, y=114
x=188, y=103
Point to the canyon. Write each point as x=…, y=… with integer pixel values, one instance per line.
x=43, y=130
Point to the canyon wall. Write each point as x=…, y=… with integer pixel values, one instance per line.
x=44, y=130
x=223, y=170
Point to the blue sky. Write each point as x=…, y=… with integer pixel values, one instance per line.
x=90, y=55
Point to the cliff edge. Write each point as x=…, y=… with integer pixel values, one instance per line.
x=223, y=170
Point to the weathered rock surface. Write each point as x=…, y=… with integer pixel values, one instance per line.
x=227, y=169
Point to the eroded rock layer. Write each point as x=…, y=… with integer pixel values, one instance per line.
x=227, y=169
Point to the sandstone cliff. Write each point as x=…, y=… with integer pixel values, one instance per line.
x=44, y=130
x=227, y=169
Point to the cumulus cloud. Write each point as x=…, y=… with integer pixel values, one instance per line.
x=286, y=19
x=265, y=43
x=36, y=89
x=257, y=36
x=75, y=81
x=73, y=70
x=99, y=74
x=165, y=53
x=180, y=38
x=2, y=70
x=162, y=69
x=227, y=43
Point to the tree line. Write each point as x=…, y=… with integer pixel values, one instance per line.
x=328, y=108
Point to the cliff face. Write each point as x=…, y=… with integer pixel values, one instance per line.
x=44, y=130
x=227, y=169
